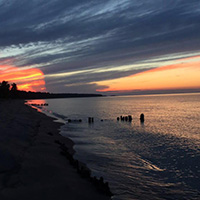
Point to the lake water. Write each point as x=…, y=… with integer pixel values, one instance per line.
x=159, y=159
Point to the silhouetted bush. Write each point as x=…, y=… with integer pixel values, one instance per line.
x=4, y=89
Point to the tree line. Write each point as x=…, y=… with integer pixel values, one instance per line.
x=11, y=91
x=7, y=90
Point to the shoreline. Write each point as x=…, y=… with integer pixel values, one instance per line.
x=68, y=152
x=32, y=160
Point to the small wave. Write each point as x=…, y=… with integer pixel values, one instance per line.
x=59, y=115
x=151, y=166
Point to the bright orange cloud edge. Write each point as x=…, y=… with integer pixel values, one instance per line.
x=26, y=79
x=186, y=76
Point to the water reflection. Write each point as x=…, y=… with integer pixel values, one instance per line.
x=158, y=159
x=37, y=104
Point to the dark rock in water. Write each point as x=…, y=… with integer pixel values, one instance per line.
x=84, y=172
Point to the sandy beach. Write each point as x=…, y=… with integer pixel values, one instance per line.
x=31, y=166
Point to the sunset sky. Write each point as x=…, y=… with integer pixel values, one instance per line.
x=112, y=46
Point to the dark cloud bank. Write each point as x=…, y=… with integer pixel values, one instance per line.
x=61, y=36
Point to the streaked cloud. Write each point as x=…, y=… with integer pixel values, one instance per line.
x=183, y=74
x=80, y=43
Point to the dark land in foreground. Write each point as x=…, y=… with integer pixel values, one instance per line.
x=37, y=162
x=34, y=159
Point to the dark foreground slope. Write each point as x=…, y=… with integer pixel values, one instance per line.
x=31, y=164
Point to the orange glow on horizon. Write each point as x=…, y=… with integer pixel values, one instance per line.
x=26, y=79
x=182, y=75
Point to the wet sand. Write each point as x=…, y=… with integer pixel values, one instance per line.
x=31, y=165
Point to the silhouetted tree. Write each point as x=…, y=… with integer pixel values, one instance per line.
x=14, y=91
x=14, y=87
x=4, y=89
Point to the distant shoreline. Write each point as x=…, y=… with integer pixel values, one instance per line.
x=141, y=93
x=46, y=95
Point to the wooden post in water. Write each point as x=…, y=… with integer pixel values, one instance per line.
x=90, y=120
x=130, y=118
x=142, y=118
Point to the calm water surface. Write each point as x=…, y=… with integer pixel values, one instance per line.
x=159, y=159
